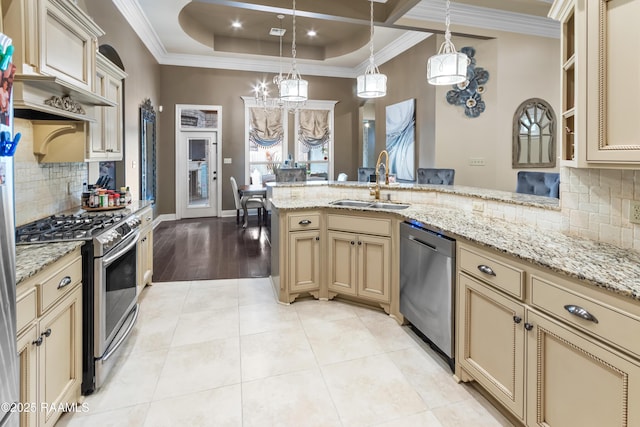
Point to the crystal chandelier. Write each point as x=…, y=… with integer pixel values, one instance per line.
x=261, y=90
x=448, y=66
x=293, y=89
x=371, y=84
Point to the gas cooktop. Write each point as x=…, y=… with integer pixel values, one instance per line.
x=57, y=228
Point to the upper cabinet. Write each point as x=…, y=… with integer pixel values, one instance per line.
x=599, y=69
x=106, y=131
x=55, y=57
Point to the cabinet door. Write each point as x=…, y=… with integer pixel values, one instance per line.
x=575, y=381
x=304, y=261
x=612, y=129
x=145, y=258
x=342, y=262
x=113, y=118
x=491, y=341
x=27, y=355
x=97, y=145
x=60, y=363
x=374, y=267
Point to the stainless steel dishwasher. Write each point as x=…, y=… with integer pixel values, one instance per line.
x=427, y=265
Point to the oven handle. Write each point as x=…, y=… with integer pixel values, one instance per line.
x=129, y=243
x=112, y=350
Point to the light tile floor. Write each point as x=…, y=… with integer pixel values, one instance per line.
x=224, y=353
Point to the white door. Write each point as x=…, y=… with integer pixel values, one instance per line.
x=198, y=186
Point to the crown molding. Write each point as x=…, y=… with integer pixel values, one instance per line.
x=393, y=49
x=482, y=17
x=138, y=21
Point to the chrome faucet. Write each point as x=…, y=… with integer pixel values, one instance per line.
x=375, y=191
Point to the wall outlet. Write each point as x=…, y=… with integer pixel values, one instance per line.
x=476, y=161
x=634, y=212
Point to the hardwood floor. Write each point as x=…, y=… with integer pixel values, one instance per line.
x=210, y=248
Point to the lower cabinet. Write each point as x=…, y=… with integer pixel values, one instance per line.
x=577, y=381
x=359, y=265
x=304, y=261
x=545, y=370
x=50, y=341
x=145, y=249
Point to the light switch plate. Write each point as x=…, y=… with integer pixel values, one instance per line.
x=476, y=161
x=227, y=160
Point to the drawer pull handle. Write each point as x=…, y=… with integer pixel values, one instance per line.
x=38, y=342
x=580, y=312
x=486, y=270
x=528, y=326
x=517, y=319
x=46, y=333
x=305, y=222
x=66, y=281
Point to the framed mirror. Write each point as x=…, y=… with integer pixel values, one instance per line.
x=147, y=151
x=534, y=135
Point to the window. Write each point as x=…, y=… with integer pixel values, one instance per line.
x=314, y=138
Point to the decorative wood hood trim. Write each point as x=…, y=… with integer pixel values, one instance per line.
x=35, y=93
x=69, y=133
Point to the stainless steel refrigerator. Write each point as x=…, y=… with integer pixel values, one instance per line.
x=9, y=365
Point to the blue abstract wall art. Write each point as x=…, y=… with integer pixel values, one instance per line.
x=468, y=94
x=401, y=130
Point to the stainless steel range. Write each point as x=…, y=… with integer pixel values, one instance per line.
x=109, y=300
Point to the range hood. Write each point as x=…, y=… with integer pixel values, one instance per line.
x=51, y=98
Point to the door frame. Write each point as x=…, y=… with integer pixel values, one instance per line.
x=179, y=164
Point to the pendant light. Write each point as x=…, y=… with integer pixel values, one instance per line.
x=371, y=84
x=293, y=88
x=448, y=66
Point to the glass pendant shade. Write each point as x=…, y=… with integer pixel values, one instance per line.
x=294, y=89
x=372, y=85
x=447, y=68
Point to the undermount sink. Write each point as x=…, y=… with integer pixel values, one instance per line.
x=368, y=204
x=352, y=203
x=383, y=205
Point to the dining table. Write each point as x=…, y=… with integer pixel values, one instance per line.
x=248, y=191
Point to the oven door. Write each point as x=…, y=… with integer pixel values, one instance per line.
x=116, y=308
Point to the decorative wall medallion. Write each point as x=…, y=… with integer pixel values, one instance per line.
x=468, y=93
x=65, y=103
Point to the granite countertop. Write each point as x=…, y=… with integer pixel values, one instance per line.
x=599, y=264
x=30, y=259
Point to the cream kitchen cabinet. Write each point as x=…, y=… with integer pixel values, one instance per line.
x=359, y=263
x=145, y=249
x=299, y=257
x=53, y=38
x=598, y=126
x=551, y=350
x=49, y=325
x=107, y=131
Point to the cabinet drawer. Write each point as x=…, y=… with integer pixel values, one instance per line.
x=304, y=221
x=56, y=286
x=490, y=270
x=26, y=309
x=146, y=217
x=613, y=325
x=358, y=224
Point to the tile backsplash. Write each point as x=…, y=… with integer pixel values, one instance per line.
x=43, y=189
x=596, y=202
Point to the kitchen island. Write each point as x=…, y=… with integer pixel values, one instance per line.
x=545, y=322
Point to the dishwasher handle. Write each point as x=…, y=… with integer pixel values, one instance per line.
x=423, y=243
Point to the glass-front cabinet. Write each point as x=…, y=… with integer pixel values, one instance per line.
x=599, y=82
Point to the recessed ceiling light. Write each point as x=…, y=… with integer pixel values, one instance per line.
x=312, y=33
x=236, y=24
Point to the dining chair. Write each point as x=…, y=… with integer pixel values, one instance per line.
x=539, y=183
x=435, y=176
x=251, y=202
